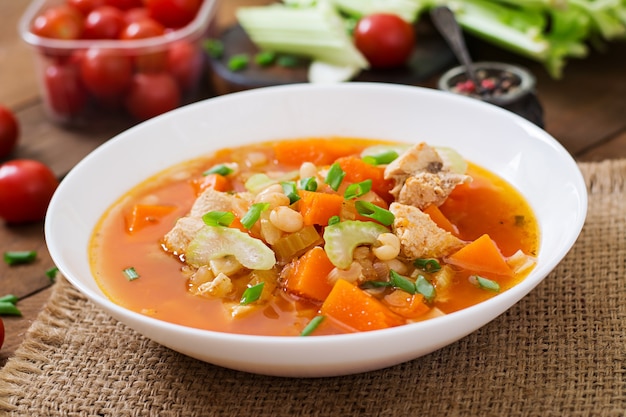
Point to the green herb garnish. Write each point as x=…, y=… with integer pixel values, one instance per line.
x=484, y=283
x=357, y=189
x=130, y=273
x=334, y=220
x=402, y=283
x=382, y=158
x=251, y=294
x=20, y=257
x=313, y=324
x=51, y=273
x=427, y=265
x=372, y=211
x=290, y=190
x=308, y=184
x=221, y=169
x=335, y=176
x=218, y=218
x=253, y=214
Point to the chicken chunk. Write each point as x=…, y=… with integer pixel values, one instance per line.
x=421, y=177
x=185, y=229
x=420, y=237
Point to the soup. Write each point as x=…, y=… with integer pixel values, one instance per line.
x=314, y=236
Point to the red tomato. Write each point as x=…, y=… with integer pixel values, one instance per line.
x=105, y=22
x=9, y=131
x=85, y=6
x=152, y=94
x=124, y=4
x=135, y=14
x=173, y=13
x=65, y=92
x=142, y=28
x=60, y=22
x=106, y=73
x=26, y=187
x=184, y=62
x=385, y=39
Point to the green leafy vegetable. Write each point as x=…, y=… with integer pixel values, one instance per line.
x=313, y=324
x=218, y=218
x=367, y=209
x=20, y=257
x=252, y=294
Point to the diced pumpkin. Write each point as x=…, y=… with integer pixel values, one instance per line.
x=481, y=255
x=143, y=215
x=358, y=170
x=357, y=309
x=440, y=219
x=308, y=276
x=216, y=181
x=316, y=150
x=316, y=207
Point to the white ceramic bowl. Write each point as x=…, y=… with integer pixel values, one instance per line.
x=517, y=150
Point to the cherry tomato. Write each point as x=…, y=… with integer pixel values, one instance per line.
x=124, y=4
x=106, y=73
x=142, y=28
x=173, y=13
x=85, y=6
x=26, y=187
x=184, y=62
x=385, y=39
x=66, y=95
x=105, y=22
x=60, y=22
x=135, y=14
x=152, y=94
x=9, y=131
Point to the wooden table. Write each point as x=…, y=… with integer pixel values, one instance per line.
x=585, y=111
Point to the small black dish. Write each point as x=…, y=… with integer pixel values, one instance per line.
x=508, y=86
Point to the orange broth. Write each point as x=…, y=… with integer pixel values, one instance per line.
x=487, y=205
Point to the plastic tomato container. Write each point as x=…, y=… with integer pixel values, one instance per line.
x=170, y=68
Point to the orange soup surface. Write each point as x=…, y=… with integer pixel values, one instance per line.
x=313, y=236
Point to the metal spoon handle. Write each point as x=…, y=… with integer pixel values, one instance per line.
x=446, y=23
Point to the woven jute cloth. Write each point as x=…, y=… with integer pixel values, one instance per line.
x=561, y=351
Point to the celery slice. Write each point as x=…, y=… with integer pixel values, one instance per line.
x=213, y=242
x=344, y=237
x=316, y=32
x=452, y=159
x=296, y=243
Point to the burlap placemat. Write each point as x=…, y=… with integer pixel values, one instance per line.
x=561, y=351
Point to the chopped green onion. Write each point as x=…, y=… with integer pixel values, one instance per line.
x=238, y=62
x=367, y=285
x=357, y=189
x=290, y=190
x=251, y=294
x=425, y=287
x=253, y=214
x=130, y=273
x=335, y=176
x=214, y=48
x=218, y=218
x=484, y=283
x=9, y=298
x=308, y=184
x=265, y=58
x=381, y=158
x=427, y=265
x=402, y=283
x=372, y=211
x=313, y=324
x=51, y=273
x=334, y=220
x=287, y=61
x=19, y=257
x=221, y=169
x=9, y=309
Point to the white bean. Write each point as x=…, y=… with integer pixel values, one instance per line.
x=286, y=219
x=389, y=247
x=307, y=170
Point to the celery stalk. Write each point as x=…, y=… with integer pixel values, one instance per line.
x=407, y=9
x=316, y=32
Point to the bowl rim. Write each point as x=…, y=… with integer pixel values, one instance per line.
x=194, y=28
